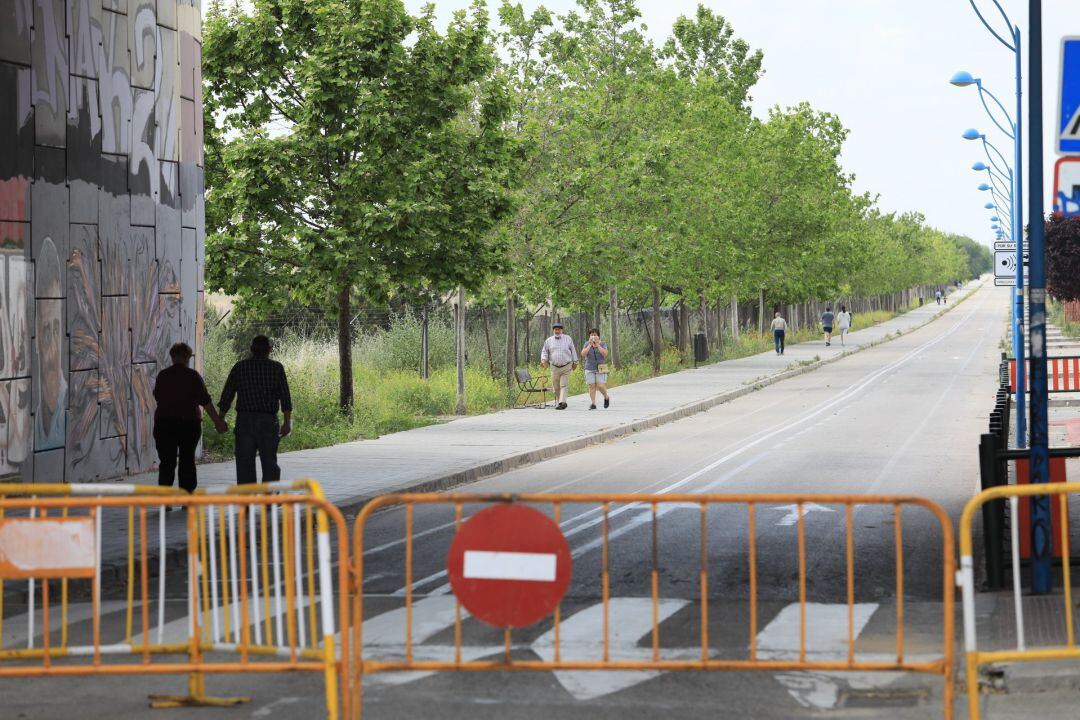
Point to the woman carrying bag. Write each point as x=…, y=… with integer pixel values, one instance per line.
x=595, y=354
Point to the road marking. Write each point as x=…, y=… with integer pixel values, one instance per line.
x=852, y=391
x=581, y=637
x=826, y=640
x=793, y=512
x=485, y=565
x=430, y=616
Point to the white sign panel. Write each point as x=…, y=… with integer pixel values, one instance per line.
x=1005, y=264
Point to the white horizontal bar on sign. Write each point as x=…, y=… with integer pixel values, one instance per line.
x=487, y=565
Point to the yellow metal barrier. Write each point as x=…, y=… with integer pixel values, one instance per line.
x=975, y=658
x=363, y=664
x=258, y=563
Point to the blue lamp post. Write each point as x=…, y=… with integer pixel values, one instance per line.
x=1040, y=464
x=1010, y=177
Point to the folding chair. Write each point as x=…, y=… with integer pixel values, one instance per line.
x=528, y=385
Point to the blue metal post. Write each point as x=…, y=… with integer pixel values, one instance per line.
x=1018, y=238
x=1041, y=580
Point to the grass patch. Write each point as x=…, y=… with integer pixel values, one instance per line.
x=1056, y=312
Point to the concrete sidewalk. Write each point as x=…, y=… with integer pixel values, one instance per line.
x=438, y=457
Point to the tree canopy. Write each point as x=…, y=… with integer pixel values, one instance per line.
x=358, y=151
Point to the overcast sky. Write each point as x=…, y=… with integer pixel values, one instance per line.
x=883, y=67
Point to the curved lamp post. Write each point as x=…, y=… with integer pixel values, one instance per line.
x=1041, y=579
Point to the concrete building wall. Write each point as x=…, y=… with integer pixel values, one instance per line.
x=101, y=227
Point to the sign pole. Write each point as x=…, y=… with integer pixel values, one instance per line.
x=1018, y=237
x=1041, y=580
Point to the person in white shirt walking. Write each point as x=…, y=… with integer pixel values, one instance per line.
x=560, y=353
x=779, y=329
x=843, y=323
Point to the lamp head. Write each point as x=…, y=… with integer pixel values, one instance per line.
x=994, y=218
x=972, y=134
x=963, y=79
x=980, y=166
x=984, y=187
x=989, y=206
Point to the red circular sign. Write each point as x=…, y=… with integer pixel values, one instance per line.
x=509, y=565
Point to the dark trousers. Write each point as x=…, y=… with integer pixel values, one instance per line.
x=176, y=440
x=778, y=339
x=256, y=433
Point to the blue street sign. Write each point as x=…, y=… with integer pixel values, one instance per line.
x=1068, y=139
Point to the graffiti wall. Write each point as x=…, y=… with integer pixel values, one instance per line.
x=101, y=227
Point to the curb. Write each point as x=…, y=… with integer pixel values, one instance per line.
x=531, y=457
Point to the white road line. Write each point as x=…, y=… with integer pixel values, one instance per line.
x=581, y=637
x=792, y=516
x=826, y=640
x=430, y=616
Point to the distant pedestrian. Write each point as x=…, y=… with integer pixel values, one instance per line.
x=596, y=368
x=843, y=323
x=779, y=329
x=560, y=353
x=180, y=392
x=945, y=297
x=260, y=388
x=827, y=324
x=937, y=297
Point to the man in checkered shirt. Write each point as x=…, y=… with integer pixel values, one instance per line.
x=260, y=387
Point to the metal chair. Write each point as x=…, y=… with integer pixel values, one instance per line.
x=528, y=385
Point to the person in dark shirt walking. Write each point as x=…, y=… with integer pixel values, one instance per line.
x=179, y=392
x=826, y=324
x=260, y=388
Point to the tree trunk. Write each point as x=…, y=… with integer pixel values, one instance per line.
x=425, y=321
x=487, y=339
x=528, y=339
x=684, y=328
x=761, y=311
x=345, y=367
x=511, y=340
x=656, y=336
x=735, y=317
x=459, y=342
x=614, y=332
x=718, y=322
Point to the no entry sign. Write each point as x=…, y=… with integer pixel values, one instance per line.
x=509, y=565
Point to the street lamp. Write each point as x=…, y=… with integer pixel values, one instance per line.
x=1039, y=464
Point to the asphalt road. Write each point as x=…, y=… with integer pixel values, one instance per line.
x=899, y=419
x=902, y=418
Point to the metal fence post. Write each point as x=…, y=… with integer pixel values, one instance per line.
x=992, y=512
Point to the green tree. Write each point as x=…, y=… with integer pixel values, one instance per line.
x=356, y=149
x=1063, y=257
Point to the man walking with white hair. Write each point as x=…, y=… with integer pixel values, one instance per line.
x=560, y=352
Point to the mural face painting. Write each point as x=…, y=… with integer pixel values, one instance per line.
x=101, y=228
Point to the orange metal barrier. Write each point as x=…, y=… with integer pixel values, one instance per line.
x=975, y=658
x=1062, y=374
x=276, y=538
x=605, y=507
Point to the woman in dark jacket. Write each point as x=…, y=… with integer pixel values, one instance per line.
x=179, y=392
